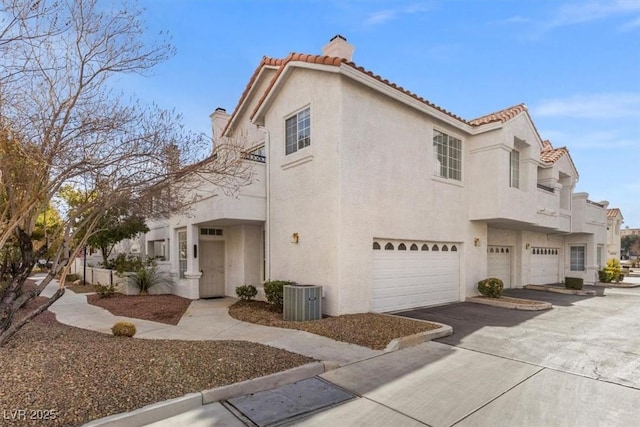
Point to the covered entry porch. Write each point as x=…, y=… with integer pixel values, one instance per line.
x=215, y=257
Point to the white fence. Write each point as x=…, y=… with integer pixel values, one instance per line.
x=104, y=277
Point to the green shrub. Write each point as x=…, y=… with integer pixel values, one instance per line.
x=246, y=292
x=605, y=276
x=149, y=277
x=123, y=263
x=105, y=291
x=491, y=287
x=274, y=291
x=573, y=282
x=124, y=329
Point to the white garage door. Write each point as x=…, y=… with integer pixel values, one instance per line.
x=545, y=268
x=499, y=263
x=414, y=274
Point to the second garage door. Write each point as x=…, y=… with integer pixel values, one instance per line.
x=499, y=263
x=414, y=274
x=545, y=265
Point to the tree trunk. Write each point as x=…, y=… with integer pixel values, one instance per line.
x=5, y=335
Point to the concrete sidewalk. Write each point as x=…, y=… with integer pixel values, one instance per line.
x=438, y=385
x=207, y=320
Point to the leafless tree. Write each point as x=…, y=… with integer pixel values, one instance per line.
x=62, y=123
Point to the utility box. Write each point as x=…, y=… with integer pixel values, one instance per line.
x=302, y=302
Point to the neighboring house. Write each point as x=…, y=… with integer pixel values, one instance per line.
x=629, y=231
x=383, y=198
x=614, y=222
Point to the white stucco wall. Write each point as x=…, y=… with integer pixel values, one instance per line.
x=388, y=190
x=304, y=185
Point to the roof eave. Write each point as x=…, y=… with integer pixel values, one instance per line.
x=394, y=93
x=228, y=130
x=257, y=117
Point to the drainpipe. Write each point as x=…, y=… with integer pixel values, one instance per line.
x=267, y=142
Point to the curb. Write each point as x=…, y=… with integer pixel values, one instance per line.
x=169, y=408
x=558, y=290
x=420, y=337
x=513, y=305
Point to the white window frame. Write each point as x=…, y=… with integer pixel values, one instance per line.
x=514, y=169
x=577, y=257
x=447, y=156
x=182, y=252
x=297, y=131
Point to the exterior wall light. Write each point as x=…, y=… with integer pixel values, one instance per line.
x=294, y=238
x=476, y=241
x=527, y=246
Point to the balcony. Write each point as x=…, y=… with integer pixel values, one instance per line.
x=588, y=216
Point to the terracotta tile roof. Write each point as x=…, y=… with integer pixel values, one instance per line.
x=324, y=60
x=613, y=213
x=266, y=61
x=553, y=155
x=547, y=155
x=499, y=116
x=407, y=92
x=297, y=57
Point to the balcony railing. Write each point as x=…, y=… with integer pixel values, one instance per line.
x=590, y=202
x=545, y=188
x=253, y=157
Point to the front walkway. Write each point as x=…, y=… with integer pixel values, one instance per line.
x=206, y=320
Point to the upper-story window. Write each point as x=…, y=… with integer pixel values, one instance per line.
x=298, y=131
x=447, y=156
x=514, y=166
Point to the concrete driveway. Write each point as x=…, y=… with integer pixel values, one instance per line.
x=594, y=336
x=577, y=364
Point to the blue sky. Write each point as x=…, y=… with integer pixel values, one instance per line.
x=575, y=64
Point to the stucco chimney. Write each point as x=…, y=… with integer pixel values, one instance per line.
x=219, y=120
x=338, y=46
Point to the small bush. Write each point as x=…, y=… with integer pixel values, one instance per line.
x=573, y=283
x=246, y=292
x=274, y=291
x=124, y=329
x=491, y=287
x=150, y=277
x=605, y=276
x=105, y=291
x=614, y=269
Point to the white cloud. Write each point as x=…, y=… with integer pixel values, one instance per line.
x=383, y=16
x=380, y=17
x=512, y=20
x=631, y=25
x=585, y=12
x=593, y=139
x=594, y=106
x=578, y=13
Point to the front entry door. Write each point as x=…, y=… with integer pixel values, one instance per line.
x=212, y=267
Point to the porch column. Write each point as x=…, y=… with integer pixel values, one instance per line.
x=193, y=274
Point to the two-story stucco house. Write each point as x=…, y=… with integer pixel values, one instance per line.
x=385, y=199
